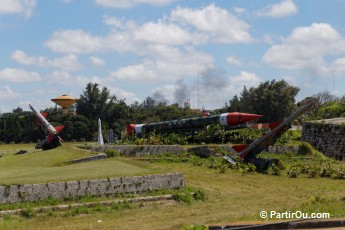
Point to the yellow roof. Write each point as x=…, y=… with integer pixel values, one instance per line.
x=64, y=100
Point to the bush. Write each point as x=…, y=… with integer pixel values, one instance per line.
x=28, y=213
x=305, y=149
x=274, y=170
x=112, y=153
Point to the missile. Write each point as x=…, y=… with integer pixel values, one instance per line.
x=53, y=139
x=100, y=136
x=229, y=120
x=248, y=152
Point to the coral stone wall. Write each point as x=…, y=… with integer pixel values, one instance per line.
x=100, y=187
x=325, y=137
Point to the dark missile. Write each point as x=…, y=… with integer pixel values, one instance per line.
x=229, y=120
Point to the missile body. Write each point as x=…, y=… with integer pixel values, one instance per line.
x=100, y=136
x=229, y=120
x=44, y=121
x=53, y=140
x=248, y=152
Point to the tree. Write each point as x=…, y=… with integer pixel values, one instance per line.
x=274, y=100
x=95, y=103
x=320, y=100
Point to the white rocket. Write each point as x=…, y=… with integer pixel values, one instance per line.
x=53, y=139
x=100, y=136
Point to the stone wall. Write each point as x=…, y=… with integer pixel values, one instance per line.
x=90, y=158
x=202, y=151
x=100, y=187
x=325, y=137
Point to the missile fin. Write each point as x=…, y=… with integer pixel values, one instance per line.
x=50, y=138
x=239, y=148
x=59, y=128
x=275, y=124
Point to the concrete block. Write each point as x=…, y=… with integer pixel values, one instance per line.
x=3, y=195
x=57, y=189
x=82, y=188
x=72, y=188
x=13, y=194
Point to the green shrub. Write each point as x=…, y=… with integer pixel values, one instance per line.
x=112, y=153
x=305, y=149
x=274, y=170
x=27, y=213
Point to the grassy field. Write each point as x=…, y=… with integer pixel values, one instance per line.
x=231, y=196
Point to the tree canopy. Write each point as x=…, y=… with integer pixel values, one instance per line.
x=275, y=100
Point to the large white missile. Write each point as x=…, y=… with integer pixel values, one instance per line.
x=53, y=131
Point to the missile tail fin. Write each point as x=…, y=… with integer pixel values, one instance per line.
x=239, y=148
x=59, y=128
x=275, y=124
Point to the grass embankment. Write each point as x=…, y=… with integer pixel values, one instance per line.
x=231, y=196
x=51, y=165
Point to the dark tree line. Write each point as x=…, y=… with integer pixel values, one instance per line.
x=273, y=99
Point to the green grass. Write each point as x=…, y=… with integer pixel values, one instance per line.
x=48, y=166
x=229, y=197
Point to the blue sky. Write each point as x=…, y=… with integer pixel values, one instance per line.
x=168, y=49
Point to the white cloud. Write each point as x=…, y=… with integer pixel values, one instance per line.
x=7, y=93
x=74, y=41
x=130, y=3
x=121, y=94
x=208, y=24
x=112, y=21
x=216, y=23
x=283, y=9
x=66, y=79
x=168, y=64
x=306, y=47
x=97, y=61
x=133, y=38
x=68, y=62
x=245, y=78
x=234, y=60
x=239, y=10
x=18, y=75
x=338, y=66
x=24, y=7
x=162, y=33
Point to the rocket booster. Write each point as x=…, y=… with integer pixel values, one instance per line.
x=230, y=120
x=53, y=131
x=277, y=130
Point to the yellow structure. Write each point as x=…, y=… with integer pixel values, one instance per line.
x=64, y=101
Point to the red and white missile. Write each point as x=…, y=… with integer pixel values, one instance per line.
x=248, y=152
x=230, y=120
x=53, y=131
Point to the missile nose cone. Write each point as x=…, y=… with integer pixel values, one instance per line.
x=245, y=117
x=236, y=118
